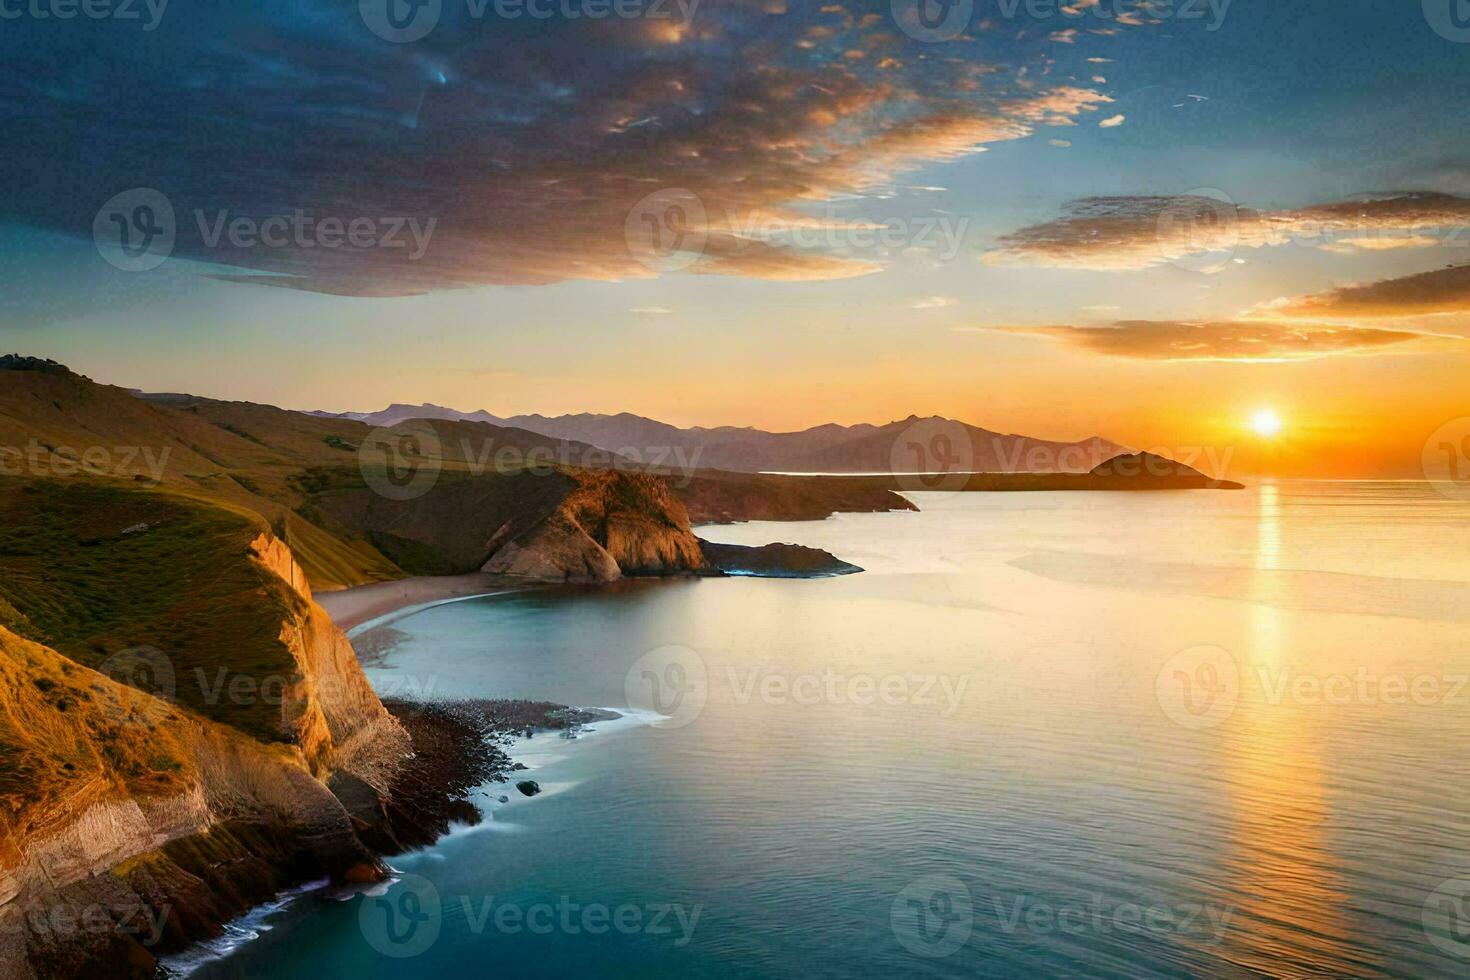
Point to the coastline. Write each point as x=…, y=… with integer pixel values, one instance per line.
x=360, y=604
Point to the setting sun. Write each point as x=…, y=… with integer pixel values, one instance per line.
x=1266, y=423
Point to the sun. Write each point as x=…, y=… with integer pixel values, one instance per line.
x=1266, y=423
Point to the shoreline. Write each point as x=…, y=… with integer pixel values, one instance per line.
x=353, y=607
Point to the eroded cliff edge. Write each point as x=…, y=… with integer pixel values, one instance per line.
x=174, y=712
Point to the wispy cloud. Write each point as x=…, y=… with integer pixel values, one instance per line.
x=1123, y=233
x=1439, y=291
x=934, y=302
x=1229, y=340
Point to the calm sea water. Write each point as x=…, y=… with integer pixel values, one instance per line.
x=1061, y=734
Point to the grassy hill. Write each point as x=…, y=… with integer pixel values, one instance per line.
x=94, y=570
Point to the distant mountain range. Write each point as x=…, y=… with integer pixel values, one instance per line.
x=914, y=444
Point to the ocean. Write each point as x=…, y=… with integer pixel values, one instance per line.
x=1060, y=734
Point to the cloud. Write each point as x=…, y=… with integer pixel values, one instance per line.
x=1229, y=340
x=934, y=302
x=1113, y=122
x=1122, y=233
x=1439, y=291
x=1351, y=246
x=652, y=310
x=532, y=144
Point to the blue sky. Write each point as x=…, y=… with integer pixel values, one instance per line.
x=531, y=144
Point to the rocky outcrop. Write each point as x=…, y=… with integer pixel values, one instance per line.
x=612, y=524
x=775, y=561
x=714, y=497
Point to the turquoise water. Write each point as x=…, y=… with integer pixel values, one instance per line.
x=1059, y=734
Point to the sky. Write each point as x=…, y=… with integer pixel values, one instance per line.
x=1141, y=220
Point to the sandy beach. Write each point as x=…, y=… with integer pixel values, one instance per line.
x=355, y=606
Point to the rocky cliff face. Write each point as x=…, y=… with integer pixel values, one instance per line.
x=612, y=524
x=131, y=824
x=329, y=710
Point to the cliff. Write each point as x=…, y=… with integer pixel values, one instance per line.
x=173, y=710
x=610, y=525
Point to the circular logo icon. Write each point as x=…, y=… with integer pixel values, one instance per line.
x=150, y=686
x=400, y=21
x=1446, y=917
x=402, y=461
x=667, y=230
x=933, y=455
x=933, y=916
x=671, y=682
x=1446, y=459
x=1198, y=687
x=1449, y=18
x=1199, y=231
x=403, y=921
x=932, y=20
x=135, y=230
